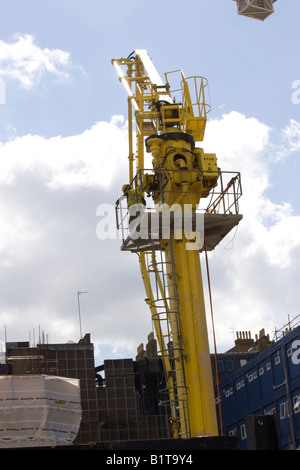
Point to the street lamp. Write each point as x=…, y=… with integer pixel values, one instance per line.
x=78, y=300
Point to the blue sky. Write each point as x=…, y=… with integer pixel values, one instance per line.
x=63, y=152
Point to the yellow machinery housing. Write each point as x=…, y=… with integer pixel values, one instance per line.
x=168, y=124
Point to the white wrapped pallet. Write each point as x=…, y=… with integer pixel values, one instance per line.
x=38, y=410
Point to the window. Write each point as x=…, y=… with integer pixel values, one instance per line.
x=277, y=360
x=240, y=384
x=296, y=404
x=243, y=431
x=282, y=411
x=268, y=365
x=228, y=392
x=220, y=365
x=229, y=364
x=261, y=371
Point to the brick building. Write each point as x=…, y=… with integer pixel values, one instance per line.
x=128, y=401
x=122, y=399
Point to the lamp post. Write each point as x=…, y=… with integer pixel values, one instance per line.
x=79, y=314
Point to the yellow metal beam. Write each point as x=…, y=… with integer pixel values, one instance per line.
x=197, y=364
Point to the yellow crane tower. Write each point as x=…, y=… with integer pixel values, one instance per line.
x=172, y=227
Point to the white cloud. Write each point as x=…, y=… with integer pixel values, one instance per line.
x=90, y=159
x=49, y=193
x=24, y=61
x=243, y=144
x=255, y=281
x=292, y=134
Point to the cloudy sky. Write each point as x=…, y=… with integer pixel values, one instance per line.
x=63, y=152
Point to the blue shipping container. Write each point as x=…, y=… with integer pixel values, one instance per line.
x=267, y=384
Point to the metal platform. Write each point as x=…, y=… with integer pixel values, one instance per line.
x=148, y=234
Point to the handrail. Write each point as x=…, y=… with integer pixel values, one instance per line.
x=223, y=200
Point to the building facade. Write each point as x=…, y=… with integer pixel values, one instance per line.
x=124, y=399
x=268, y=385
x=128, y=401
x=120, y=399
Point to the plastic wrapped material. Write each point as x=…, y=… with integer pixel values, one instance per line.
x=38, y=410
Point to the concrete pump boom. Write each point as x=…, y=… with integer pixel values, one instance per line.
x=170, y=230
